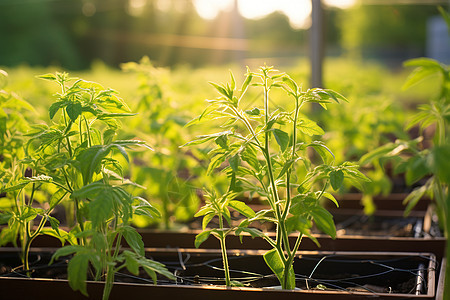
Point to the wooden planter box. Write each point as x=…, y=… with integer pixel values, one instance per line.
x=196, y=267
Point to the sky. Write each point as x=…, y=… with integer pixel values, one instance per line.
x=298, y=11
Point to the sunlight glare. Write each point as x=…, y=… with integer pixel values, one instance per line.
x=298, y=11
x=340, y=3
x=209, y=9
x=136, y=7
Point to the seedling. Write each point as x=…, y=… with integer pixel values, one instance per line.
x=267, y=153
x=79, y=161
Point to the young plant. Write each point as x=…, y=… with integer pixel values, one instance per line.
x=267, y=151
x=80, y=164
x=419, y=162
x=219, y=206
x=168, y=172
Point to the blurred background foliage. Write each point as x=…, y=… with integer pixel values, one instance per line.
x=161, y=54
x=73, y=34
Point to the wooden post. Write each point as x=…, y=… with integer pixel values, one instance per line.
x=316, y=43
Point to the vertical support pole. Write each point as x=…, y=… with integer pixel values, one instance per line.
x=316, y=43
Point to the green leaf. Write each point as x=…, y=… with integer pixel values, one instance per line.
x=91, y=159
x=253, y=112
x=324, y=220
x=215, y=162
x=242, y=208
x=330, y=197
x=325, y=153
x=73, y=110
x=287, y=165
x=282, y=138
x=222, y=141
x=425, y=67
x=290, y=83
x=417, y=168
x=220, y=89
x=336, y=179
x=48, y=76
x=65, y=251
x=54, y=223
x=247, y=81
x=131, y=262
x=254, y=232
x=440, y=162
x=108, y=136
x=153, y=266
x=146, y=209
x=274, y=262
x=413, y=198
x=377, y=153
x=204, y=138
x=206, y=219
x=204, y=210
x=54, y=108
x=77, y=271
x=101, y=208
x=133, y=239
x=309, y=127
x=249, y=155
x=201, y=237
x=302, y=225
x=4, y=217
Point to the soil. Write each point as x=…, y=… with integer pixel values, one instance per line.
x=388, y=274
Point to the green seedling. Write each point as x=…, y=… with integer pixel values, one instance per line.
x=79, y=161
x=421, y=163
x=266, y=150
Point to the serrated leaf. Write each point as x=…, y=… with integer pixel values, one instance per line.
x=54, y=109
x=254, y=232
x=201, y=237
x=108, y=136
x=282, y=138
x=324, y=221
x=325, y=153
x=220, y=89
x=253, y=112
x=131, y=262
x=101, y=208
x=274, y=262
x=242, y=208
x=377, y=153
x=215, y=162
x=4, y=217
x=413, y=198
x=249, y=155
x=336, y=179
x=309, y=127
x=206, y=219
x=133, y=239
x=74, y=110
x=54, y=223
x=65, y=251
x=204, y=138
x=151, y=266
x=77, y=272
x=222, y=141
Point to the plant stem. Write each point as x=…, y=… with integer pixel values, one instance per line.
x=225, y=260
x=224, y=252
x=108, y=282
